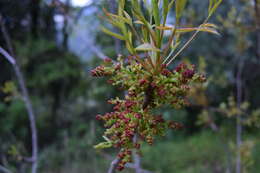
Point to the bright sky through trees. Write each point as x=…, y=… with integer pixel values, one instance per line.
x=81, y=3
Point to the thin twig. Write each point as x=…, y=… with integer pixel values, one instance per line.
x=97, y=52
x=239, y=128
x=25, y=96
x=132, y=166
x=7, y=56
x=4, y=170
x=113, y=165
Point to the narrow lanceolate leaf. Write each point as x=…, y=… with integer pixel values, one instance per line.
x=147, y=47
x=128, y=17
x=139, y=22
x=179, y=7
x=110, y=19
x=113, y=18
x=164, y=27
x=145, y=34
x=121, y=7
x=213, y=5
x=170, y=5
x=130, y=37
x=209, y=25
x=129, y=47
x=107, y=31
x=103, y=145
x=121, y=4
x=136, y=6
x=156, y=14
x=121, y=19
x=147, y=25
x=202, y=28
x=165, y=8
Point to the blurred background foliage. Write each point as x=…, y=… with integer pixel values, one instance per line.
x=58, y=42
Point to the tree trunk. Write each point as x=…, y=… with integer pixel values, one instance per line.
x=35, y=14
x=66, y=25
x=257, y=24
x=238, y=120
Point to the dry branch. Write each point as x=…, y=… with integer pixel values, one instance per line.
x=4, y=170
x=25, y=95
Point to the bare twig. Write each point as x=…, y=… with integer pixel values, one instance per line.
x=113, y=165
x=6, y=36
x=7, y=56
x=115, y=162
x=132, y=166
x=25, y=95
x=97, y=52
x=4, y=170
x=137, y=160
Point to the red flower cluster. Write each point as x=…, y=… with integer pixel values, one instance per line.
x=133, y=115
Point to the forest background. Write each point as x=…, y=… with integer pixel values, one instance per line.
x=56, y=44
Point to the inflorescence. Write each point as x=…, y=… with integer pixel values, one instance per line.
x=133, y=116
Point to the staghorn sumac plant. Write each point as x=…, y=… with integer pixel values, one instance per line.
x=146, y=78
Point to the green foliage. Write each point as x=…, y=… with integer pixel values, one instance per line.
x=151, y=39
x=213, y=5
x=204, y=151
x=179, y=7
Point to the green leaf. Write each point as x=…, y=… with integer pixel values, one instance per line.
x=136, y=6
x=103, y=145
x=156, y=14
x=213, y=6
x=207, y=27
x=117, y=20
x=138, y=22
x=128, y=17
x=105, y=30
x=121, y=19
x=145, y=34
x=121, y=7
x=129, y=47
x=170, y=5
x=179, y=5
x=203, y=29
x=165, y=8
x=130, y=37
x=147, y=47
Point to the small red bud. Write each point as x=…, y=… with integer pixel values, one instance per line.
x=138, y=116
x=98, y=117
x=110, y=81
x=143, y=81
x=118, y=66
x=137, y=146
x=107, y=60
